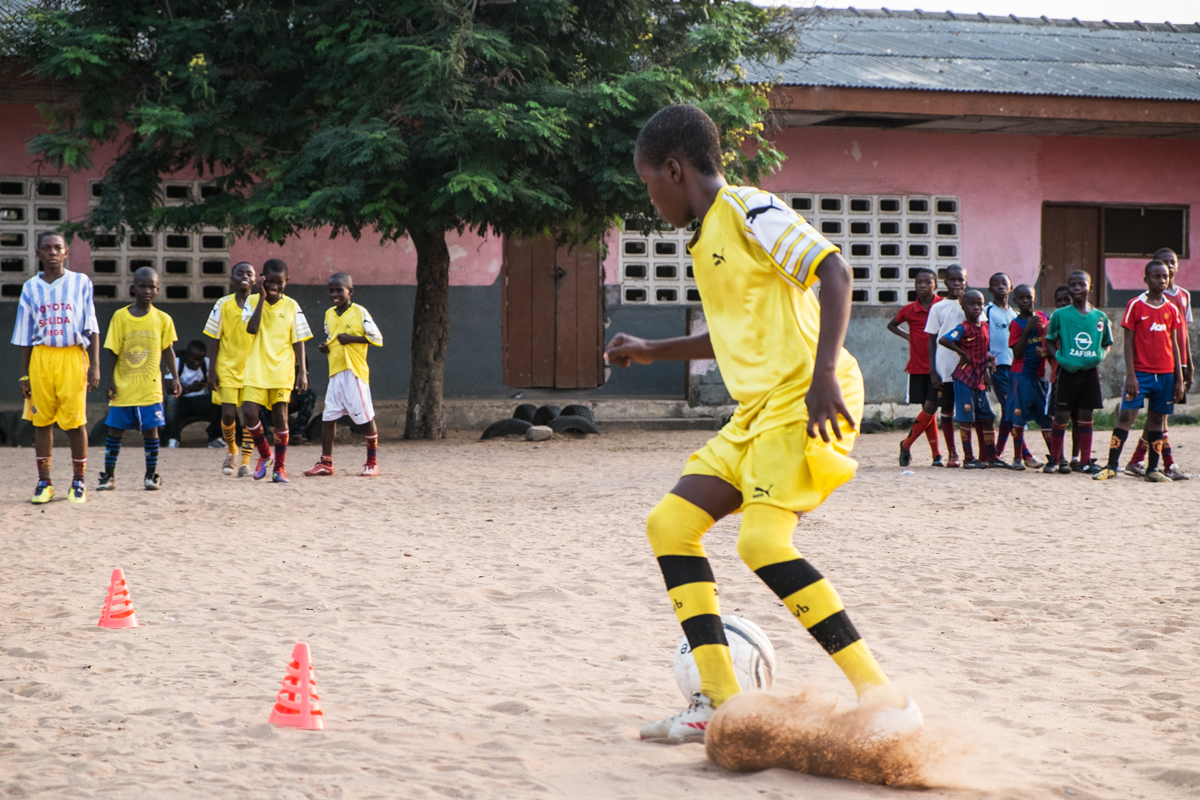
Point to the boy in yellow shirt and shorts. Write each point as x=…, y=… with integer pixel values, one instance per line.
x=275, y=366
x=787, y=446
x=140, y=336
x=227, y=352
x=59, y=338
x=349, y=330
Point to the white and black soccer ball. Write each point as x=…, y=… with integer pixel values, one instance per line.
x=751, y=651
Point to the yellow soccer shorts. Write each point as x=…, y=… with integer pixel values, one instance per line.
x=783, y=466
x=58, y=383
x=227, y=394
x=265, y=397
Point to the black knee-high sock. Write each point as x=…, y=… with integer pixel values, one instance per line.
x=1154, y=440
x=1114, y=448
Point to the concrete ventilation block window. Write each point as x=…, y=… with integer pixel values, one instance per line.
x=656, y=270
x=28, y=206
x=192, y=266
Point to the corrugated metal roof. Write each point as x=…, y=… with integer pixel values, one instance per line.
x=947, y=52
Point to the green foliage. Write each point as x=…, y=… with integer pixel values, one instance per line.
x=394, y=115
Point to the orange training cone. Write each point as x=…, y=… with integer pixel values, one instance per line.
x=297, y=704
x=118, y=607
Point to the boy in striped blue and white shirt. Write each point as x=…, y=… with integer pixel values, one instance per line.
x=59, y=338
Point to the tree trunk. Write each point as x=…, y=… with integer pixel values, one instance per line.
x=426, y=417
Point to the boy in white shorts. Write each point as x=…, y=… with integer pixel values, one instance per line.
x=349, y=329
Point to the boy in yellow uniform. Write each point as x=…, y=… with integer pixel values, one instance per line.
x=59, y=338
x=349, y=330
x=275, y=366
x=227, y=354
x=139, y=337
x=787, y=447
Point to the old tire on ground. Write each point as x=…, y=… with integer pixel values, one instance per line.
x=525, y=411
x=506, y=427
x=545, y=414
x=573, y=423
x=578, y=411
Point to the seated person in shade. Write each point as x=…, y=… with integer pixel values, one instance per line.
x=196, y=400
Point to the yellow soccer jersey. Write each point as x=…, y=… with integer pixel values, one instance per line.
x=139, y=343
x=755, y=262
x=226, y=325
x=356, y=321
x=271, y=363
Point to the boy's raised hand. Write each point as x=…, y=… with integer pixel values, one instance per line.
x=825, y=404
x=625, y=349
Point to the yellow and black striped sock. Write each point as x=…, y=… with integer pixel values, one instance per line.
x=765, y=544
x=674, y=528
x=247, y=447
x=229, y=434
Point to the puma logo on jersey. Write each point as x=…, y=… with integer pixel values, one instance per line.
x=719, y=258
x=761, y=492
x=1157, y=326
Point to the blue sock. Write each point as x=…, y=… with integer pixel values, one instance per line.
x=151, y=446
x=112, y=449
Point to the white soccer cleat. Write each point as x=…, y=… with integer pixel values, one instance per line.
x=891, y=722
x=687, y=726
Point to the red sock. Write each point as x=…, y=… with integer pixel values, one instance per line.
x=1084, y=429
x=80, y=466
x=931, y=433
x=1057, y=435
x=1018, y=437
x=260, y=441
x=947, y=423
x=372, y=448
x=281, y=442
x=987, y=450
x=964, y=433
x=918, y=427
x=43, y=468
x=1139, y=452
x=1002, y=439
x=1049, y=440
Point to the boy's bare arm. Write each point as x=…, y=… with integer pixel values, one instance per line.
x=112, y=374
x=824, y=400
x=214, y=350
x=168, y=354
x=26, y=353
x=1022, y=342
x=894, y=327
x=93, y=361
x=1177, y=351
x=950, y=344
x=934, y=378
x=349, y=338
x=623, y=349
x=1131, y=383
x=256, y=317
x=302, y=363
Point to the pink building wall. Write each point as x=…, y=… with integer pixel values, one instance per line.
x=1002, y=181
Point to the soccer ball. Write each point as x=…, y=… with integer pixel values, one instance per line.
x=751, y=650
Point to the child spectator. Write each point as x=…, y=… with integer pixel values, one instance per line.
x=1153, y=370
x=1062, y=299
x=59, y=338
x=349, y=329
x=275, y=366
x=1182, y=300
x=943, y=318
x=970, y=340
x=1028, y=394
x=1078, y=339
x=228, y=349
x=139, y=338
x=196, y=400
x=920, y=389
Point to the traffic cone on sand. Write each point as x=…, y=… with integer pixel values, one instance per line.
x=118, y=606
x=297, y=704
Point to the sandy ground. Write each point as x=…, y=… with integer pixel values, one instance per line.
x=486, y=621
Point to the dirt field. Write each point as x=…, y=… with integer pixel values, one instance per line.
x=486, y=620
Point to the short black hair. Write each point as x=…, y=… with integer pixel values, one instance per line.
x=275, y=266
x=681, y=131
x=925, y=271
x=1026, y=286
x=1151, y=265
x=197, y=346
x=342, y=279
x=1000, y=275
x=958, y=267
x=48, y=234
x=1082, y=272
x=1062, y=287
x=1164, y=251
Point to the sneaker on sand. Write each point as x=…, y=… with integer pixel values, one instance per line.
x=953, y=463
x=216, y=444
x=999, y=463
x=172, y=444
x=1064, y=467
x=1176, y=474
x=263, y=466
x=369, y=471
x=244, y=471
x=1157, y=476
x=43, y=493
x=280, y=476
x=1135, y=468
x=1105, y=474
x=890, y=721
x=937, y=462
x=905, y=455
x=229, y=464
x=974, y=463
x=153, y=482
x=1018, y=465
x=108, y=482
x=1076, y=466
x=1032, y=462
x=1090, y=468
x=320, y=468
x=77, y=493
x=686, y=726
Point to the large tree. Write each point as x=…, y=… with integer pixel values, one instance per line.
x=390, y=117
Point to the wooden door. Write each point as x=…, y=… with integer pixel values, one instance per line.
x=1071, y=237
x=553, y=321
